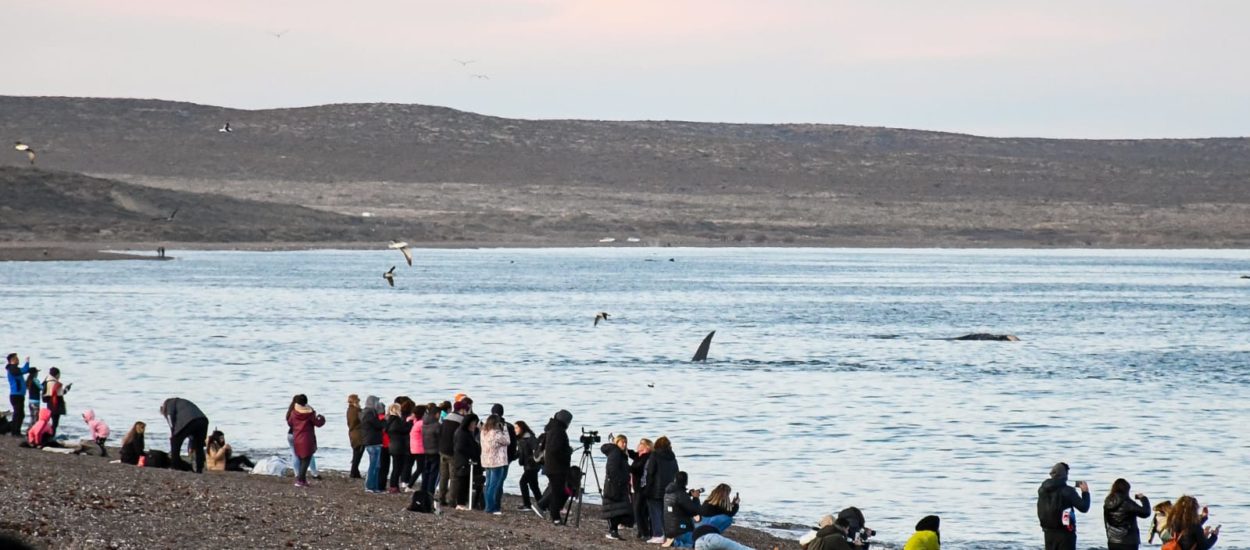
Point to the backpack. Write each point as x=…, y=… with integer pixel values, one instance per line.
x=156, y=459
x=1175, y=543
x=1050, y=510
x=421, y=502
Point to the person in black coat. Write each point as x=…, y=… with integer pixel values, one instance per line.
x=681, y=508
x=1119, y=515
x=446, y=446
x=467, y=453
x=1057, y=504
x=186, y=421
x=371, y=428
x=132, y=444
x=637, y=472
x=527, y=448
x=557, y=455
x=398, y=430
x=616, y=506
x=660, y=471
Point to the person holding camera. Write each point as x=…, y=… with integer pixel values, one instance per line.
x=1119, y=515
x=616, y=506
x=1057, y=504
x=557, y=455
x=681, y=511
x=857, y=530
x=660, y=472
x=304, y=422
x=830, y=534
x=17, y=392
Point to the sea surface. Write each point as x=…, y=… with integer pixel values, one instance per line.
x=831, y=382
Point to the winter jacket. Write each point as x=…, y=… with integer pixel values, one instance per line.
x=527, y=447
x=1119, y=514
x=923, y=540
x=1055, y=497
x=661, y=470
x=132, y=450
x=430, y=431
x=638, y=470
x=447, y=434
x=1194, y=538
x=17, y=382
x=495, y=448
x=709, y=510
x=54, y=395
x=679, y=510
x=354, y=432
x=398, y=431
x=34, y=390
x=371, y=426
x=97, y=427
x=416, y=437
x=180, y=412
x=38, y=434
x=556, y=450
x=615, y=482
x=829, y=538
x=303, y=422
x=465, y=449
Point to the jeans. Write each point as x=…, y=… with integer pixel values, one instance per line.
x=296, y=460
x=529, y=484
x=494, y=487
x=714, y=541
x=656, y=507
x=301, y=470
x=33, y=407
x=1121, y=546
x=375, y=458
x=18, y=402
x=429, y=476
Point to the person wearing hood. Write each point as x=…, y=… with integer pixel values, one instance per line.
x=557, y=455
x=98, y=430
x=17, y=392
x=1119, y=516
x=304, y=422
x=354, y=434
x=54, y=396
x=447, y=446
x=830, y=534
x=660, y=471
x=926, y=536
x=616, y=506
x=186, y=421
x=1057, y=504
x=430, y=431
x=466, y=454
x=398, y=433
x=371, y=429
x=133, y=445
x=34, y=390
x=681, y=509
x=527, y=449
x=637, y=475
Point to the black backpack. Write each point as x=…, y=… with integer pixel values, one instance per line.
x=1050, y=508
x=157, y=459
x=421, y=502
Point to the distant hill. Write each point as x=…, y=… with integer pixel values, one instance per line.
x=471, y=177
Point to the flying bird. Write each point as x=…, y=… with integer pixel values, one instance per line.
x=30, y=153
x=279, y=34
x=168, y=218
x=701, y=353
x=465, y=62
x=601, y=316
x=390, y=276
x=403, y=247
x=225, y=129
x=480, y=76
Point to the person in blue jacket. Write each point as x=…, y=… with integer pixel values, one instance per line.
x=17, y=392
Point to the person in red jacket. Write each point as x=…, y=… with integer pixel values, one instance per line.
x=304, y=421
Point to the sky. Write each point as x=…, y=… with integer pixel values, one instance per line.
x=1048, y=68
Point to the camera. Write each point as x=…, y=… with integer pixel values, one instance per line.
x=589, y=438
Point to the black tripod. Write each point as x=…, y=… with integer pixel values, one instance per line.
x=588, y=459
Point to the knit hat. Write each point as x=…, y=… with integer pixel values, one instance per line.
x=929, y=523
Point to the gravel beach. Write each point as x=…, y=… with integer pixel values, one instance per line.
x=80, y=501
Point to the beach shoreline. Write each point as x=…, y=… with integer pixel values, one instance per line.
x=81, y=501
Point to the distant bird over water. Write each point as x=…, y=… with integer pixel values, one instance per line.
x=225, y=129
x=601, y=316
x=403, y=247
x=390, y=276
x=30, y=153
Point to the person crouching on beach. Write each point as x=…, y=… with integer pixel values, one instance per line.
x=99, y=430
x=467, y=453
x=830, y=534
x=40, y=435
x=371, y=429
x=681, y=511
x=221, y=456
x=133, y=445
x=304, y=422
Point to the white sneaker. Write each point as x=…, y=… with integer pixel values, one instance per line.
x=496, y=513
x=655, y=540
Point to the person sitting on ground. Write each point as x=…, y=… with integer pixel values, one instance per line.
x=1119, y=516
x=1057, y=504
x=467, y=453
x=133, y=444
x=616, y=506
x=1159, y=525
x=99, y=431
x=1186, y=521
x=40, y=435
x=660, y=471
x=718, y=503
x=856, y=527
x=681, y=511
x=527, y=448
x=926, y=536
x=717, y=515
x=186, y=421
x=304, y=422
x=830, y=534
x=221, y=456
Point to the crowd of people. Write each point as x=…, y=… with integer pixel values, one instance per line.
x=449, y=457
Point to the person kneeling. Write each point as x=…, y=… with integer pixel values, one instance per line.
x=681, y=511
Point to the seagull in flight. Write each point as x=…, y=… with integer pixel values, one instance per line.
x=168, y=218
x=390, y=276
x=30, y=153
x=225, y=128
x=465, y=62
x=403, y=247
x=279, y=34
x=601, y=316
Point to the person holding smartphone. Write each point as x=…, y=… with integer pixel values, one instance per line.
x=1120, y=514
x=1186, y=524
x=1057, y=504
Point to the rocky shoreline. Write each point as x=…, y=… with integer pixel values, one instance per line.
x=79, y=501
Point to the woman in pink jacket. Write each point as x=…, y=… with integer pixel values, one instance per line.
x=416, y=445
x=304, y=422
x=495, y=441
x=99, y=430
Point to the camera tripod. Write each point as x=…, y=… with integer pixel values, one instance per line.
x=588, y=459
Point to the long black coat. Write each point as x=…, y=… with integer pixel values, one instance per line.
x=615, y=483
x=447, y=434
x=399, y=431
x=661, y=470
x=556, y=450
x=466, y=449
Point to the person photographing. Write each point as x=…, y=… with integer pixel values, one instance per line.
x=1057, y=504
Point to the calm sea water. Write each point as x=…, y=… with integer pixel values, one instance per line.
x=830, y=383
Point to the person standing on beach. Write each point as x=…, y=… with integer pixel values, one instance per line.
x=354, y=434
x=497, y=409
x=1119, y=515
x=1185, y=523
x=430, y=431
x=34, y=392
x=637, y=473
x=661, y=470
x=399, y=434
x=416, y=446
x=557, y=455
x=54, y=396
x=616, y=507
x=17, y=392
x=1057, y=504
x=447, y=447
x=466, y=453
x=527, y=450
x=371, y=429
x=185, y=421
x=304, y=422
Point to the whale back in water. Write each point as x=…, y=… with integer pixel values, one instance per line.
x=701, y=353
x=989, y=337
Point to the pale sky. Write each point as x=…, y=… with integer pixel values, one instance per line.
x=1053, y=68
